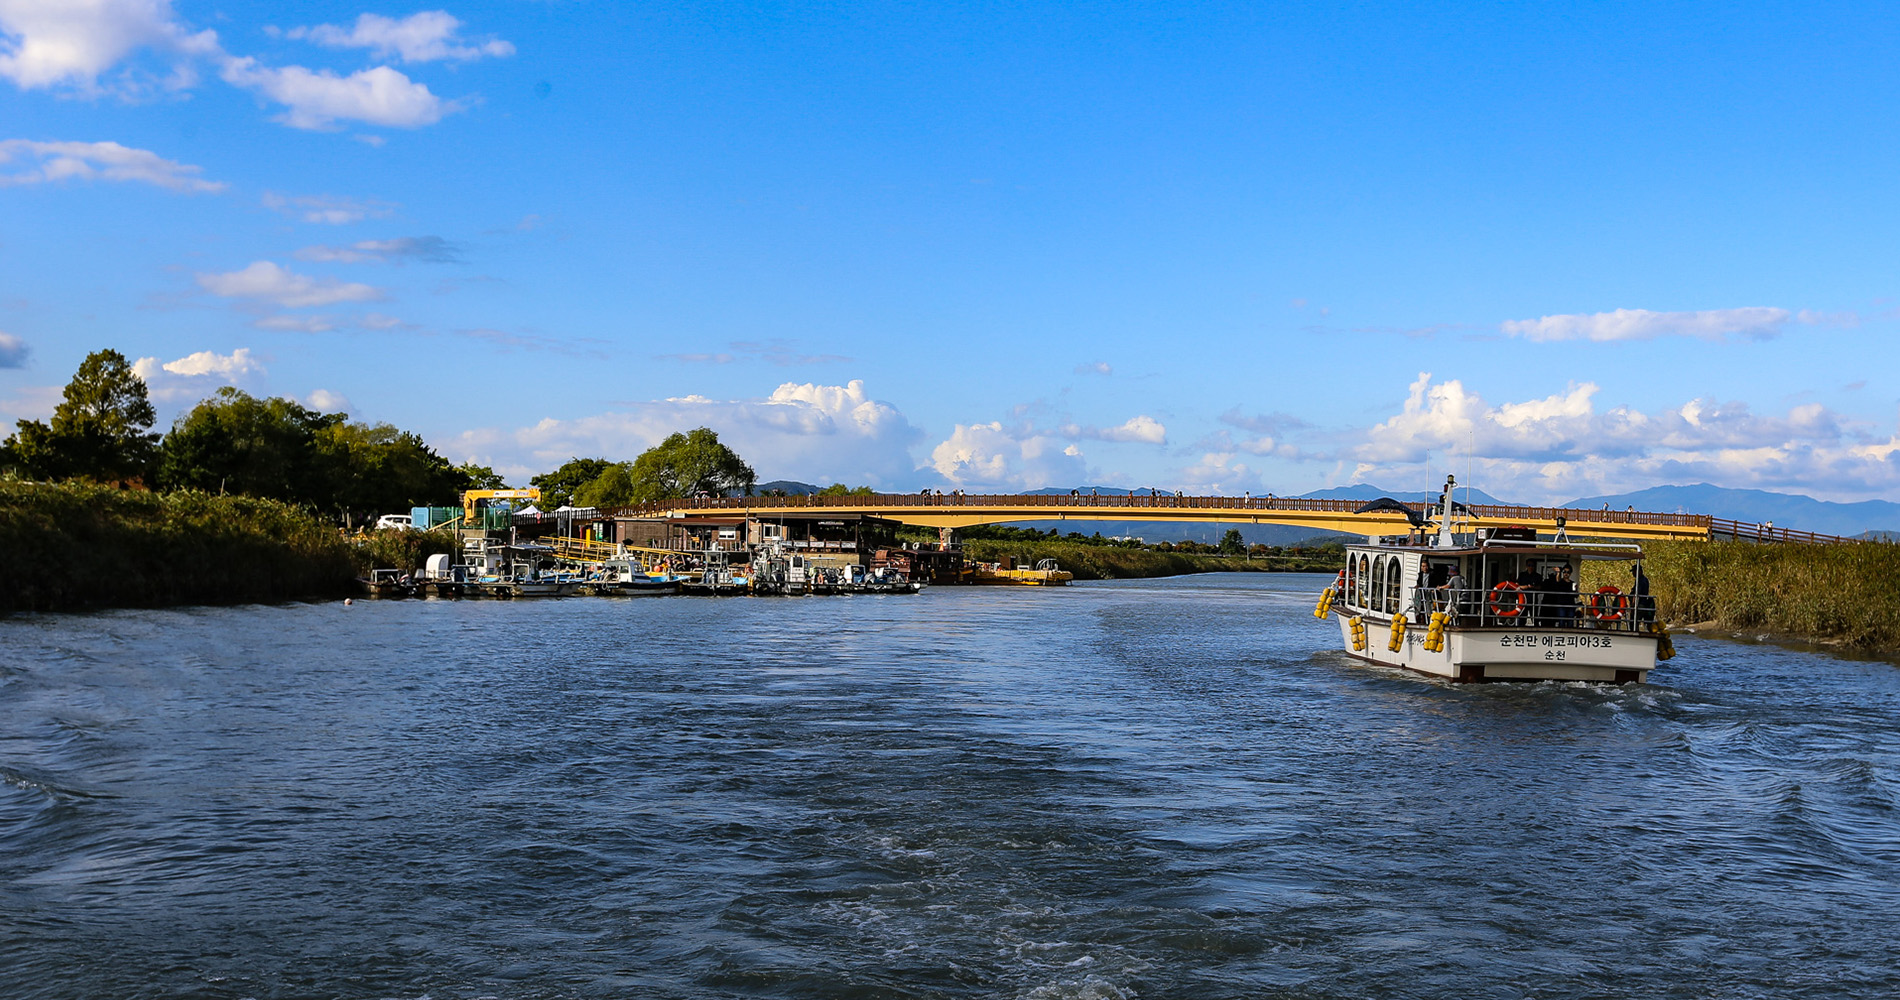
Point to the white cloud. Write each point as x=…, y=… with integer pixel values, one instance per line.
x=1560, y=446
x=424, y=37
x=318, y=99
x=433, y=249
x=828, y=433
x=1753, y=322
x=269, y=282
x=1142, y=429
x=71, y=43
x=325, y=401
x=59, y=161
x=993, y=456
x=1215, y=474
x=13, y=351
x=1094, y=368
x=195, y=375
x=329, y=209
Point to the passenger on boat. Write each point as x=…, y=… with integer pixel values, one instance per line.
x=1564, y=596
x=1639, y=590
x=1531, y=583
x=1454, y=597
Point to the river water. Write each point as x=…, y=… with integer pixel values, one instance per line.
x=1172, y=788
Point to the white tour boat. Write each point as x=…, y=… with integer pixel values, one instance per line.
x=1497, y=605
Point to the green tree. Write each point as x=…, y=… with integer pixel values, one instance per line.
x=100, y=430
x=480, y=477
x=841, y=490
x=1231, y=544
x=612, y=488
x=558, y=488
x=689, y=464
x=234, y=442
x=378, y=469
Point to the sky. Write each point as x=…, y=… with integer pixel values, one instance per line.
x=1557, y=249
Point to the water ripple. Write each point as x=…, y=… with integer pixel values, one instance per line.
x=1145, y=788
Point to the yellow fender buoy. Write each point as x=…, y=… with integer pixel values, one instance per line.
x=1398, y=634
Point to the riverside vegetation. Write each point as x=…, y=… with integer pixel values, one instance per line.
x=1846, y=595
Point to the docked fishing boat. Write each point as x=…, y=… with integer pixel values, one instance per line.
x=1496, y=605
x=627, y=576
x=519, y=571
x=387, y=583
x=1044, y=574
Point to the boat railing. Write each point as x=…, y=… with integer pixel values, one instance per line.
x=1526, y=608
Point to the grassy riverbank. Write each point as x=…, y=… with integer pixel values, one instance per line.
x=1104, y=562
x=73, y=545
x=1847, y=595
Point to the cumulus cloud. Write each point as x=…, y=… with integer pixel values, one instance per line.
x=196, y=375
x=433, y=249
x=1141, y=429
x=1752, y=323
x=424, y=37
x=13, y=351
x=829, y=433
x=329, y=209
x=72, y=43
x=998, y=457
x=266, y=281
x=1563, y=445
x=317, y=100
x=1094, y=368
x=106, y=161
x=325, y=401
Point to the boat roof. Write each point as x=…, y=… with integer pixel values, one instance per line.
x=1501, y=546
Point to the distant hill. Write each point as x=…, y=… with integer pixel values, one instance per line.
x=1786, y=510
x=790, y=486
x=1362, y=491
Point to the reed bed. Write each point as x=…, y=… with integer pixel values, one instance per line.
x=1845, y=594
x=403, y=549
x=75, y=545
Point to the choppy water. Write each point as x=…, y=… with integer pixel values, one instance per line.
x=1152, y=788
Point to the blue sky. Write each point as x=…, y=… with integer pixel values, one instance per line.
x=1571, y=249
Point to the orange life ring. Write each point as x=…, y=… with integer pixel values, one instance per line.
x=1609, y=603
x=1503, y=594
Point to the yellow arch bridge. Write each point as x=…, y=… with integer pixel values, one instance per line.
x=951, y=511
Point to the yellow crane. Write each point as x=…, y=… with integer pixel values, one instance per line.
x=471, y=499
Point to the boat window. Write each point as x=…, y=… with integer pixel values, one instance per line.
x=1352, y=579
x=1376, y=599
x=1393, y=585
x=1359, y=593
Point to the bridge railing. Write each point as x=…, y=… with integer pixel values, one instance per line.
x=1745, y=532
x=1578, y=519
x=1136, y=503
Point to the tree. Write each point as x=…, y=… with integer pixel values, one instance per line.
x=612, y=488
x=100, y=429
x=376, y=468
x=480, y=477
x=237, y=443
x=690, y=464
x=841, y=490
x=1231, y=544
x=560, y=487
